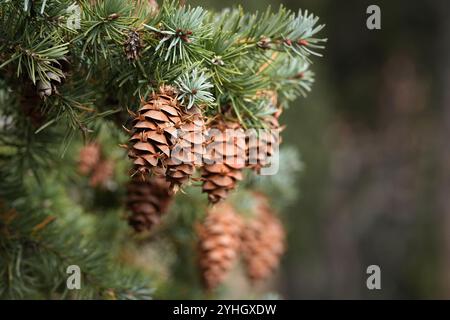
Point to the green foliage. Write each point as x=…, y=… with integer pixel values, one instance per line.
x=38, y=242
x=194, y=89
x=62, y=86
x=234, y=48
x=291, y=78
x=182, y=31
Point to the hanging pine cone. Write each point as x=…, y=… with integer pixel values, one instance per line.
x=219, y=242
x=161, y=135
x=102, y=173
x=262, y=145
x=133, y=45
x=225, y=159
x=262, y=241
x=147, y=200
x=149, y=142
x=88, y=158
x=187, y=150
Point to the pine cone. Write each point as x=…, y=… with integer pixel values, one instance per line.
x=262, y=145
x=102, y=172
x=133, y=45
x=219, y=242
x=88, y=158
x=187, y=150
x=161, y=129
x=149, y=142
x=262, y=241
x=225, y=159
x=147, y=200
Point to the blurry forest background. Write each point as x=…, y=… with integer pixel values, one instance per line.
x=373, y=135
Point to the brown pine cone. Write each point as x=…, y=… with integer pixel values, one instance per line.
x=261, y=147
x=219, y=242
x=147, y=200
x=225, y=159
x=161, y=128
x=102, y=172
x=88, y=158
x=262, y=241
x=262, y=144
x=187, y=150
x=149, y=144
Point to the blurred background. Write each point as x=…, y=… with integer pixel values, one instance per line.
x=373, y=135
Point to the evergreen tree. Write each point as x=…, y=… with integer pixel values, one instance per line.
x=74, y=75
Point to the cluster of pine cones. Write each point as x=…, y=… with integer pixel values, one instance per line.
x=167, y=140
x=167, y=144
x=224, y=235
